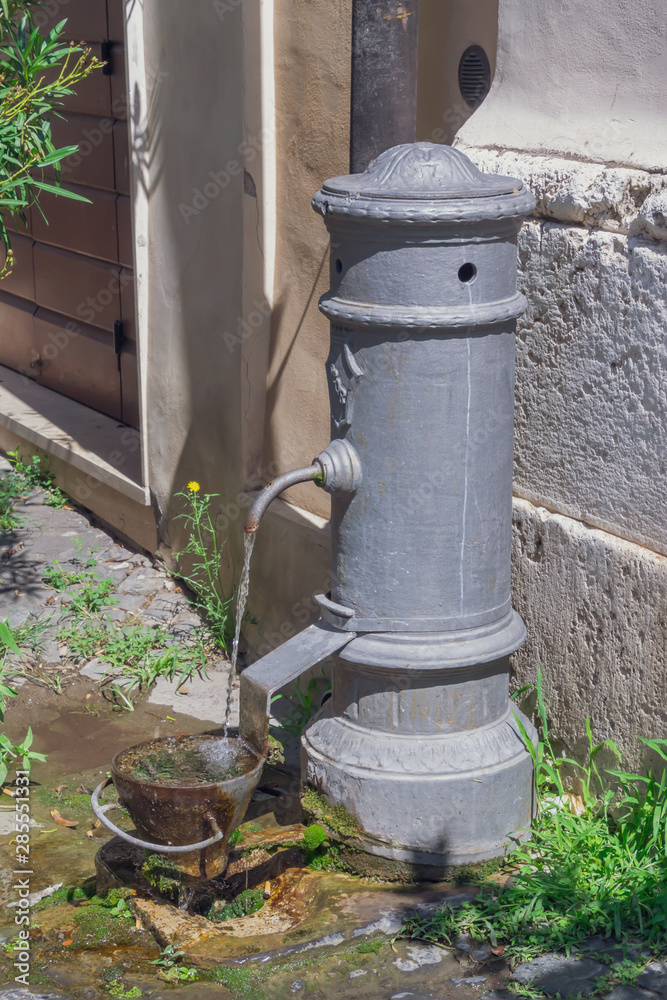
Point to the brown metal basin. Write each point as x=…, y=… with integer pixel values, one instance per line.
x=181, y=814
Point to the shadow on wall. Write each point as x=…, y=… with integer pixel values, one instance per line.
x=451, y=90
x=188, y=165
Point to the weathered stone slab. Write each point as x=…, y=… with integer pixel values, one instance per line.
x=654, y=978
x=629, y=993
x=555, y=974
x=594, y=607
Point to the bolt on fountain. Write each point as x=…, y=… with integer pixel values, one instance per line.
x=419, y=742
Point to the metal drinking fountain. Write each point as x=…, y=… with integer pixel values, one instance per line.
x=419, y=741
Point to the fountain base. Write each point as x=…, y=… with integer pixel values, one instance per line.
x=422, y=807
x=421, y=745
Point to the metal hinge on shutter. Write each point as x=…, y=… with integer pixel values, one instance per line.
x=118, y=339
x=106, y=55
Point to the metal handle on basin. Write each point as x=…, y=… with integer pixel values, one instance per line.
x=100, y=812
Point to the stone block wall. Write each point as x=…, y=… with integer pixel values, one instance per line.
x=590, y=510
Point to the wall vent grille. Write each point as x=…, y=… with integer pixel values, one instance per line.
x=474, y=75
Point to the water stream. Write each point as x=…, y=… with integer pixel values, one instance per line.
x=241, y=601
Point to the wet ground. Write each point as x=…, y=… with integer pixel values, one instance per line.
x=320, y=934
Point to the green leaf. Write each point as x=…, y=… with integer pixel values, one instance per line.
x=62, y=192
x=7, y=639
x=56, y=156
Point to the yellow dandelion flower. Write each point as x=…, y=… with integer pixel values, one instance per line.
x=194, y=486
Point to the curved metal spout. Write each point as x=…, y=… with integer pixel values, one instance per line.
x=275, y=488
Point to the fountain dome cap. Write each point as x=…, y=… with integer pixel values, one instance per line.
x=423, y=182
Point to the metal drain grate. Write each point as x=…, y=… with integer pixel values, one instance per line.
x=474, y=75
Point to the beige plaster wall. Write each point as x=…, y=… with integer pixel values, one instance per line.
x=577, y=111
x=582, y=79
x=312, y=62
x=312, y=96
x=313, y=49
x=186, y=83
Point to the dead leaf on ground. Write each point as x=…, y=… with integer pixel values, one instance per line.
x=84, y=790
x=61, y=819
x=577, y=804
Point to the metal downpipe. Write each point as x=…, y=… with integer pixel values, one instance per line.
x=384, y=78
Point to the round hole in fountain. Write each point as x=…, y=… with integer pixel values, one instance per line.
x=467, y=272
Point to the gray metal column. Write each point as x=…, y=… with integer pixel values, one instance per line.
x=419, y=741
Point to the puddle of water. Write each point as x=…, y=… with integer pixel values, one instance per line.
x=79, y=733
x=241, y=601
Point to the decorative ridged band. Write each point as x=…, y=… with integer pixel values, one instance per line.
x=411, y=213
x=346, y=313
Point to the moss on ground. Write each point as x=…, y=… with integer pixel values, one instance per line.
x=240, y=982
x=105, y=921
x=162, y=874
x=246, y=902
x=67, y=894
x=370, y=947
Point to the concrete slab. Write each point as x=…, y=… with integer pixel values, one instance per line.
x=200, y=698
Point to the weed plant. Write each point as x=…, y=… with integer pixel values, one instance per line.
x=199, y=563
x=305, y=702
x=36, y=475
x=138, y=654
x=21, y=480
x=12, y=488
x=10, y=751
x=171, y=968
x=601, y=872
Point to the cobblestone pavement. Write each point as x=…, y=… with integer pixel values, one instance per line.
x=146, y=596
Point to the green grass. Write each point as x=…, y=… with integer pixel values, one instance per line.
x=12, y=488
x=94, y=593
x=36, y=475
x=602, y=872
x=304, y=702
x=21, y=480
x=141, y=654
